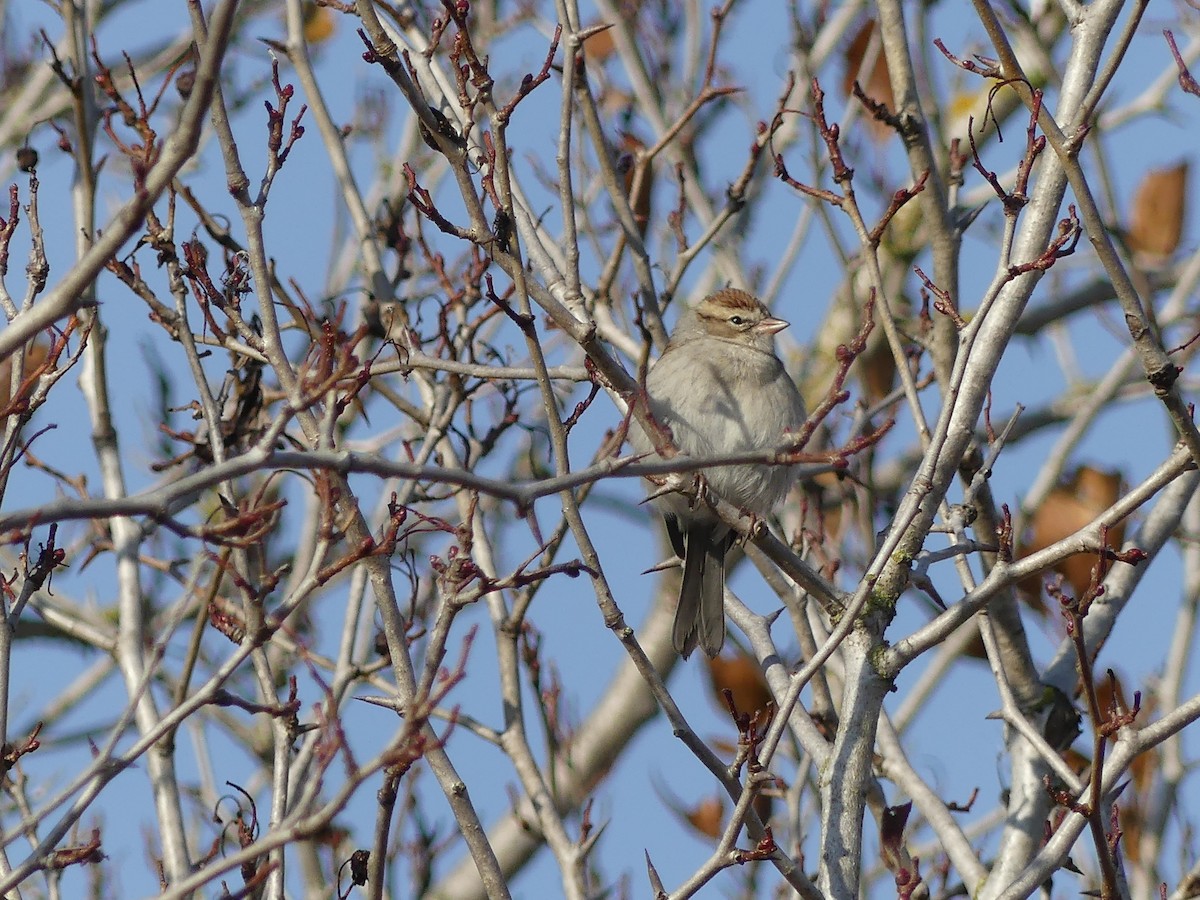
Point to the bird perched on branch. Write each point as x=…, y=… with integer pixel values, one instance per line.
x=720, y=389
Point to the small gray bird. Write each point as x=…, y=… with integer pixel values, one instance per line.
x=721, y=389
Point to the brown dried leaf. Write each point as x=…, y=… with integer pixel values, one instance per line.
x=723, y=746
x=825, y=501
x=876, y=83
x=319, y=23
x=706, y=816
x=35, y=357
x=1159, y=208
x=762, y=806
x=639, y=203
x=599, y=47
x=742, y=677
x=877, y=371
x=1066, y=509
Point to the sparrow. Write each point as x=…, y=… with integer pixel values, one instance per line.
x=720, y=389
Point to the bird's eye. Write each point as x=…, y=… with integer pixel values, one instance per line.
x=736, y=320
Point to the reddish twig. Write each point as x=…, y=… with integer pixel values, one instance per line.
x=530, y=81
x=1186, y=81
x=1062, y=245
x=899, y=198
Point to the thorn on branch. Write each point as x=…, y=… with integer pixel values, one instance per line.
x=923, y=583
x=656, y=882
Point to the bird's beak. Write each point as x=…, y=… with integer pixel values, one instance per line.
x=770, y=325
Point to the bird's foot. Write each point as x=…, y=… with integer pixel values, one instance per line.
x=757, y=526
x=703, y=495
